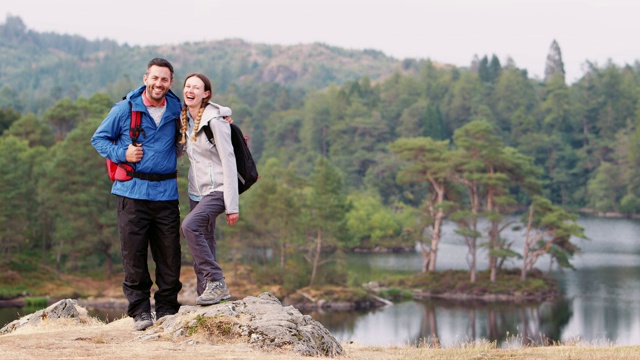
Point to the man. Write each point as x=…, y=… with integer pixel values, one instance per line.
x=147, y=204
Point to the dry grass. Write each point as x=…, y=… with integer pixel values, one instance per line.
x=216, y=338
x=215, y=330
x=117, y=340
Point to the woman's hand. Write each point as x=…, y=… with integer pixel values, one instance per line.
x=232, y=218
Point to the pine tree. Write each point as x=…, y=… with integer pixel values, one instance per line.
x=428, y=162
x=328, y=207
x=554, y=63
x=475, y=63
x=15, y=191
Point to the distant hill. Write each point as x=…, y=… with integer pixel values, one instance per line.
x=37, y=69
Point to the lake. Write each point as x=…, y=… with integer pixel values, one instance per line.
x=601, y=302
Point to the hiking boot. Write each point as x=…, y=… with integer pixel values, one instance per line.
x=161, y=314
x=215, y=292
x=142, y=321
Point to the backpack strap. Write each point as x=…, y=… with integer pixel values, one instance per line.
x=209, y=133
x=155, y=177
x=135, y=128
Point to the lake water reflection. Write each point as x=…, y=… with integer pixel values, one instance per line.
x=424, y=322
x=601, y=301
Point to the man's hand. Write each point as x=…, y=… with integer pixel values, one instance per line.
x=134, y=153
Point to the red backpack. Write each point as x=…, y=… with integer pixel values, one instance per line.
x=122, y=171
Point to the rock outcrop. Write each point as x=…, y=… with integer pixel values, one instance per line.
x=261, y=322
x=63, y=309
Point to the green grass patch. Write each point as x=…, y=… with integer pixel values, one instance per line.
x=39, y=301
x=508, y=282
x=330, y=293
x=28, y=277
x=360, y=271
x=8, y=292
x=217, y=326
x=395, y=294
x=19, y=278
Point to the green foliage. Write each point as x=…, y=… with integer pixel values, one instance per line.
x=550, y=230
x=297, y=274
x=514, y=97
x=602, y=194
x=373, y=224
x=16, y=167
x=43, y=68
x=11, y=292
x=280, y=192
x=24, y=274
x=392, y=135
x=396, y=295
x=29, y=128
x=630, y=204
x=63, y=117
x=457, y=281
x=40, y=302
x=7, y=117
x=327, y=207
x=298, y=271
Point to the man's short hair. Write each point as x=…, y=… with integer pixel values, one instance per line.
x=162, y=63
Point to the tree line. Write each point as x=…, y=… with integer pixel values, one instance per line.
x=362, y=165
x=38, y=69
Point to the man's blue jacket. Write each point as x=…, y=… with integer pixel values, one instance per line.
x=112, y=138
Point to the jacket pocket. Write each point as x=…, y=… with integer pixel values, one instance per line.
x=212, y=177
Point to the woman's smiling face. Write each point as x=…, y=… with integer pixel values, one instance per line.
x=194, y=92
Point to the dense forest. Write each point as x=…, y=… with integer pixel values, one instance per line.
x=356, y=151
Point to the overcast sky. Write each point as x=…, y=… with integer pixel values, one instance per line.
x=449, y=31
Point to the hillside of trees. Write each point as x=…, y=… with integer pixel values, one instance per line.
x=38, y=69
x=356, y=151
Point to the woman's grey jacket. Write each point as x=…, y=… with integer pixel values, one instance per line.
x=213, y=166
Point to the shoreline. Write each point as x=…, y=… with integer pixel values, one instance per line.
x=340, y=306
x=486, y=298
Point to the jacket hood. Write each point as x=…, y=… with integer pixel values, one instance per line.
x=212, y=111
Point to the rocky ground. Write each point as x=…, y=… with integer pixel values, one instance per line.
x=260, y=329
x=253, y=326
x=256, y=323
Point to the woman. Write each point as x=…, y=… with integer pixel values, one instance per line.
x=213, y=184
